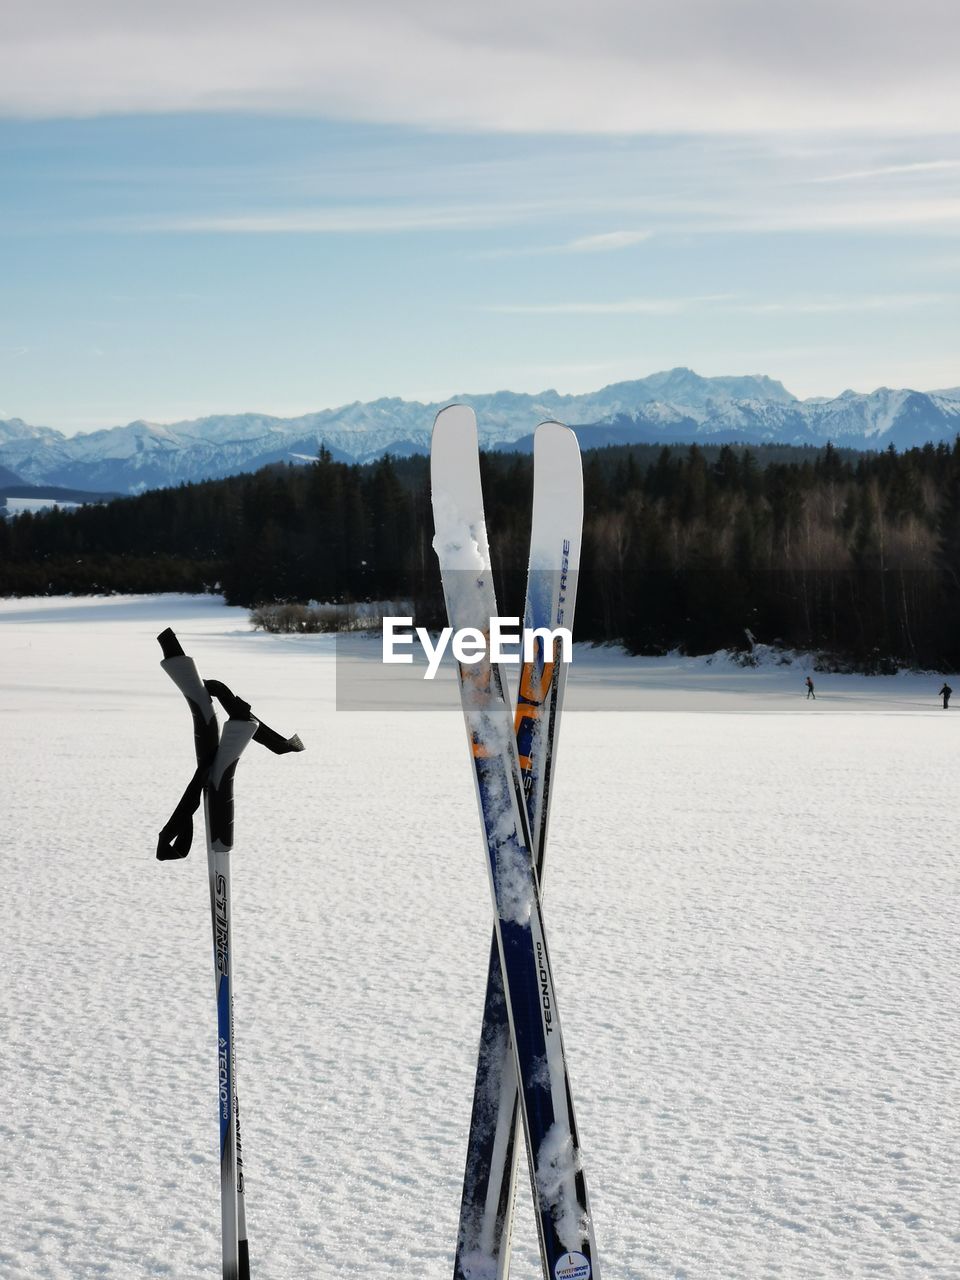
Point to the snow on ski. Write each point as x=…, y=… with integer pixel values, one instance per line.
x=483, y=1239
x=567, y=1247
x=218, y=754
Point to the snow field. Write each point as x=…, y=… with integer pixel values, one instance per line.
x=752, y=923
x=17, y=506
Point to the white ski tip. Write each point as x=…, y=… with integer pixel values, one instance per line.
x=557, y=498
x=456, y=423
x=461, y=536
x=560, y=442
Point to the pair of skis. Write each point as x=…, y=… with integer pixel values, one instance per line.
x=522, y=1066
x=218, y=754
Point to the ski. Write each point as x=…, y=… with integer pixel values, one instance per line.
x=218, y=754
x=567, y=1247
x=483, y=1238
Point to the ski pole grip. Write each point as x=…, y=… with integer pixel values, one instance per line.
x=236, y=736
x=171, y=646
x=183, y=672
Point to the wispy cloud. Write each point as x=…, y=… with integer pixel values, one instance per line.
x=941, y=213
x=710, y=217
x=731, y=303
x=759, y=209
x=891, y=170
x=366, y=219
x=607, y=242
x=837, y=306
x=625, y=306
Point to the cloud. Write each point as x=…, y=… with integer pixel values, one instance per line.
x=625, y=306
x=838, y=306
x=606, y=242
x=729, y=303
x=615, y=66
x=764, y=214
x=891, y=170
x=940, y=213
x=367, y=219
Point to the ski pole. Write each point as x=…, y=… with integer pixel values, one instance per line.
x=217, y=757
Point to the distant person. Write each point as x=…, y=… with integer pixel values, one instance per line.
x=810, y=694
x=945, y=693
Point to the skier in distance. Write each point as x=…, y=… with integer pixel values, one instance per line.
x=945, y=693
x=810, y=694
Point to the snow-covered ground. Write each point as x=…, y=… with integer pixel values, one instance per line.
x=17, y=506
x=753, y=919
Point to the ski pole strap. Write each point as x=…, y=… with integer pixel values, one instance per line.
x=237, y=709
x=176, y=837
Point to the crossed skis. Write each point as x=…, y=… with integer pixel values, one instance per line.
x=513, y=763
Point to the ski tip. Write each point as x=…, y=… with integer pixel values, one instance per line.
x=556, y=432
x=455, y=419
x=453, y=442
x=170, y=645
x=555, y=445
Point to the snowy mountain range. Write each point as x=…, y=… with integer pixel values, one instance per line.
x=676, y=406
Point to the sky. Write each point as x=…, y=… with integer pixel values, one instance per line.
x=280, y=208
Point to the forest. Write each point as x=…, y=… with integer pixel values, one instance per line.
x=855, y=556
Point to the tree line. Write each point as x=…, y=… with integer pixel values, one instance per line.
x=854, y=555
